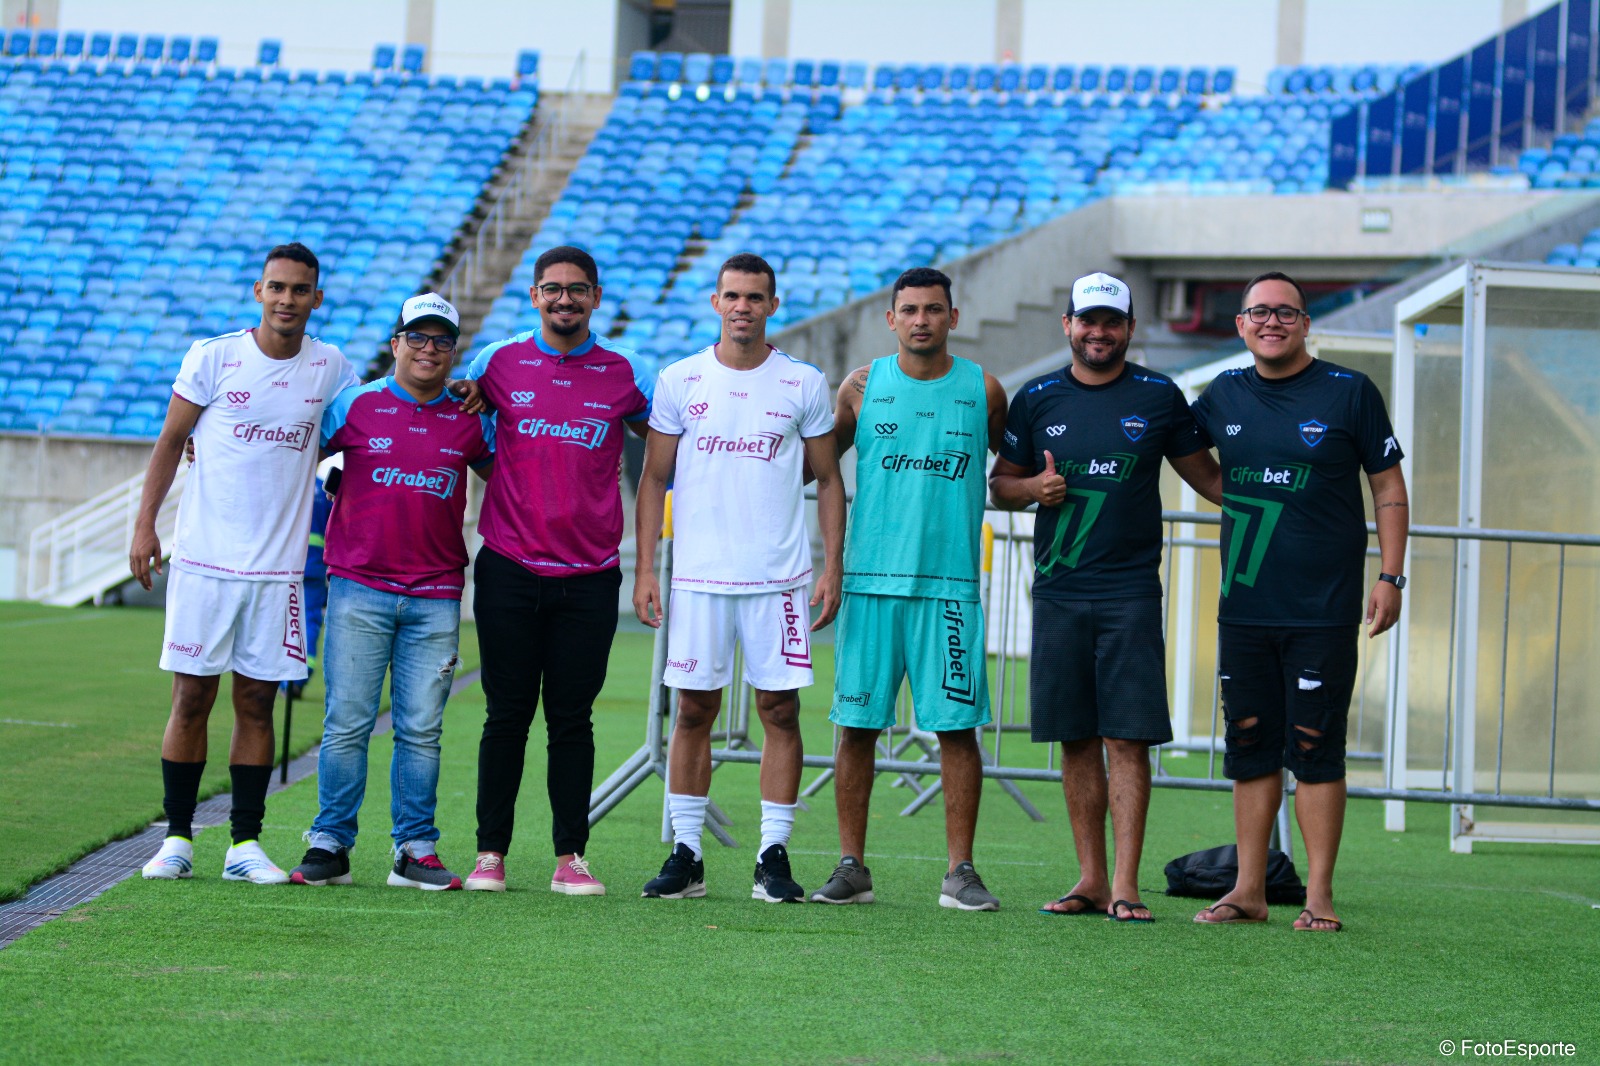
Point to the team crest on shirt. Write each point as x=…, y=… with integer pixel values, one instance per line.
x=1313, y=432
x=1133, y=426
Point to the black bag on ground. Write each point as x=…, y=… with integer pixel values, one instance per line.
x=1210, y=874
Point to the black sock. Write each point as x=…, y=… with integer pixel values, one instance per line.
x=182, y=783
x=249, y=800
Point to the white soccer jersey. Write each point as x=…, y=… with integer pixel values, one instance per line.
x=738, y=509
x=246, y=511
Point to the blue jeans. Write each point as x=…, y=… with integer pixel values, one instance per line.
x=368, y=633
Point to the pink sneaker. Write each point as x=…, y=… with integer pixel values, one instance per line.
x=489, y=875
x=574, y=879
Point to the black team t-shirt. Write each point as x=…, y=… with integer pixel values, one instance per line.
x=1294, y=534
x=1104, y=541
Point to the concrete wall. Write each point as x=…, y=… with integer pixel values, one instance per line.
x=45, y=476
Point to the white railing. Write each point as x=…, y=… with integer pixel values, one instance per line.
x=529, y=168
x=82, y=553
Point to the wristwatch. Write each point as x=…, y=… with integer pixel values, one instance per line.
x=1398, y=582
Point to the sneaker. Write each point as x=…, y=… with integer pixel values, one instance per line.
x=322, y=867
x=773, y=881
x=574, y=879
x=247, y=862
x=489, y=875
x=682, y=876
x=851, y=883
x=426, y=873
x=963, y=889
x=174, y=860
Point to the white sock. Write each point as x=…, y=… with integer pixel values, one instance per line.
x=688, y=820
x=777, y=822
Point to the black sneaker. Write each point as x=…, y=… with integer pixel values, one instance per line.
x=774, y=884
x=426, y=873
x=321, y=867
x=682, y=876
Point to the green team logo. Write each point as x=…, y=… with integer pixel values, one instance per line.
x=1253, y=524
x=1081, y=509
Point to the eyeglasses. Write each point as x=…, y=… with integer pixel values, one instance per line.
x=1261, y=312
x=419, y=341
x=577, y=290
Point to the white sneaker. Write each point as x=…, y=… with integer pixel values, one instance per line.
x=174, y=860
x=247, y=862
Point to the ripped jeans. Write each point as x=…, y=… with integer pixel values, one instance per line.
x=367, y=632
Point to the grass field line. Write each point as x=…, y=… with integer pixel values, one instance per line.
x=71, y=619
x=920, y=858
x=49, y=725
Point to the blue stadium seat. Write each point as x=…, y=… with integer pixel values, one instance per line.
x=1063, y=79
x=155, y=47
x=1089, y=79
x=269, y=53
x=100, y=46
x=697, y=68
x=383, y=56
x=749, y=71
x=205, y=50
x=883, y=77
x=1038, y=78
x=960, y=78
x=776, y=71
x=642, y=66
x=804, y=73
x=528, y=64
x=669, y=67
x=1117, y=80
x=985, y=77
x=908, y=78
x=1010, y=78
x=412, y=57
x=933, y=76
x=44, y=45
x=72, y=45
x=1171, y=80
x=1195, y=84
x=179, y=49
x=722, y=68
x=18, y=43
x=828, y=74
x=1144, y=80
x=1222, y=81
x=127, y=46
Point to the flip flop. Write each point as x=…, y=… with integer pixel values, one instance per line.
x=1091, y=907
x=1243, y=919
x=1131, y=905
x=1338, y=926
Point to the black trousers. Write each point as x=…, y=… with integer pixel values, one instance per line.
x=533, y=632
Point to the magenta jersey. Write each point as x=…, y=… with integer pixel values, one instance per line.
x=553, y=504
x=396, y=522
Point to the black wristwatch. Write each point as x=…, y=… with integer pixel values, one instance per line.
x=1397, y=582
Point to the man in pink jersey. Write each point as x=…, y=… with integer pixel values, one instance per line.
x=546, y=579
x=396, y=560
x=735, y=425
x=252, y=400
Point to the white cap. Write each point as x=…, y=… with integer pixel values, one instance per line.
x=1101, y=290
x=429, y=305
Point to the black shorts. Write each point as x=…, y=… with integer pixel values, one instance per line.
x=1098, y=669
x=1288, y=681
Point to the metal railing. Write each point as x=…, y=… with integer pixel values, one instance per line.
x=530, y=166
x=81, y=553
x=1010, y=589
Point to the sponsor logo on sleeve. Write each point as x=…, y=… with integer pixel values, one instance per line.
x=1133, y=426
x=958, y=682
x=1055, y=431
x=1313, y=433
x=1011, y=438
x=796, y=633
x=227, y=365
x=1390, y=445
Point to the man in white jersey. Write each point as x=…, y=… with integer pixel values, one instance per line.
x=253, y=401
x=734, y=423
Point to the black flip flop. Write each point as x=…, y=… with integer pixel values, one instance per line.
x=1131, y=905
x=1092, y=908
x=1243, y=919
x=1338, y=926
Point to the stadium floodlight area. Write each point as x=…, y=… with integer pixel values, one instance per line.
x=135, y=209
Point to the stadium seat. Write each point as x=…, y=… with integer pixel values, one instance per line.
x=100, y=46
x=804, y=73
x=1010, y=78
x=1195, y=84
x=1171, y=80
x=179, y=49
x=1144, y=80
x=776, y=72
x=527, y=64
x=722, y=69
x=72, y=45
x=127, y=47
x=697, y=68
x=1089, y=79
x=1063, y=79
x=828, y=74
x=642, y=66
x=155, y=47
x=1222, y=81
x=412, y=57
x=44, y=45
x=269, y=53
x=205, y=51
x=383, y=57
x=18, y=43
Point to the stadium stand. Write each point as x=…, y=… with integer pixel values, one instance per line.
x=137, y=197
x=1572, y=162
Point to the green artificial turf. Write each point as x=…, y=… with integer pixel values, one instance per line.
x=81, y=720
x=1498, y=944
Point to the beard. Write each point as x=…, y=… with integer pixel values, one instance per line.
x=566, y=331
x=1080, y=354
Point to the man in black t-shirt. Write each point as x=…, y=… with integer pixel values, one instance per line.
x=1293, y=434
x=1085, y=443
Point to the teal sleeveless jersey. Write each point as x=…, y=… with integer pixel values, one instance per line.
x=916, y=524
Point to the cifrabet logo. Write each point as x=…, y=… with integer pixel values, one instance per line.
x=1291, y=477
x=762, y=446
x=295, y=436
x=439, y=481
x=584, y=432
x=952, y=466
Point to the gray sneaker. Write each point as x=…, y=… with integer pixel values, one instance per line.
x=963, y=889
x=851, y=883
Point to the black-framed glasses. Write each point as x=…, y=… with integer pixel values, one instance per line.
x=1261, y=312
x=419, y=341
x=578, y=290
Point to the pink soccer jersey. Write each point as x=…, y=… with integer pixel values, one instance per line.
x=553, y=503
x=396, y=521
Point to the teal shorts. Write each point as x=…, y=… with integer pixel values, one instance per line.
x=938, y=645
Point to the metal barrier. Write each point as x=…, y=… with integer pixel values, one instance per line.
x=1008, y=568
x=83, y=552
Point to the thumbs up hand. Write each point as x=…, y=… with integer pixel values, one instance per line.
x=1048, y=488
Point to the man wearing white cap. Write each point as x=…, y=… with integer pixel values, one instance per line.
x=1085, y=443
x=396, y=560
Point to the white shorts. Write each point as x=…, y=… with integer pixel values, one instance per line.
x=215, y=624
x=773, y=629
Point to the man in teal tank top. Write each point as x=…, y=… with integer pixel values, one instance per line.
x=920, y=420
